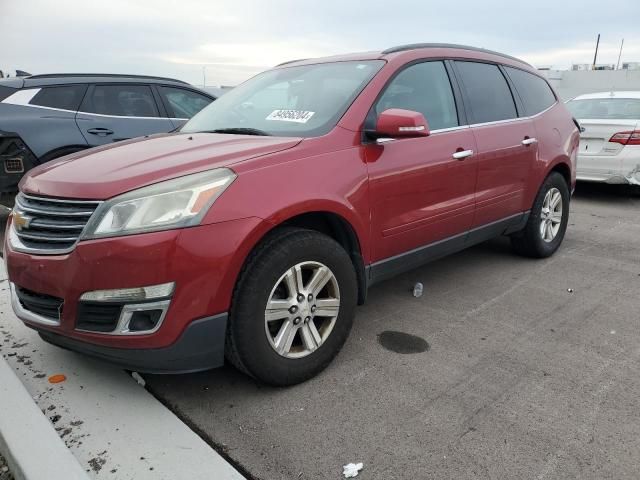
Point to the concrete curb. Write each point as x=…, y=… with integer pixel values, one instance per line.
x=113, y=427
x=26, y=434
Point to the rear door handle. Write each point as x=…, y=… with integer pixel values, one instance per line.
x=462, y=154
x=529, y=141
x=101, y=132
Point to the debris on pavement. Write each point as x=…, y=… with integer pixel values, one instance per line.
x=418, y=288
x=59, y=378
x=5, y=474
x=138, y=378
x=351, y=470
x=570, y=290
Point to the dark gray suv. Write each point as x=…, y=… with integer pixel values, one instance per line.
x=43, y=117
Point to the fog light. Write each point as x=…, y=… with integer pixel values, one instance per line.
x=144, y=320
x=138, y=294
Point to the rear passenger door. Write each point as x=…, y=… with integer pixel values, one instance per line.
x=113, y=112
x=507, y=148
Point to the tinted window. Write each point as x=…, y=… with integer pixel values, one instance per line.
x=183, y=103
x=6, y=91
x=67, y=97
x=488, y=92
x=536, y=95
x=425, y=88
x=122, y=101
x=613, y=108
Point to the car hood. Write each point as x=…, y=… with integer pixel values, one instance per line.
x=104, y=172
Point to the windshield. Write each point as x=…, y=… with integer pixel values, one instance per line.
x=304, y=101
x=603, y=108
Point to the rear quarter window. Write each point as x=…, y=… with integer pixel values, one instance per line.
x=66, y=97
x=6, y=91
x=535, y=93
x=183, y=103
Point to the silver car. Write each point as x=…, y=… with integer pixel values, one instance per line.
x=610, y=139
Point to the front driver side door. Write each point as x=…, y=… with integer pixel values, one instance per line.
x=110, y=113
x=420, y=194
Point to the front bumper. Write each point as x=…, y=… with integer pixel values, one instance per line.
x=200, y=347
x=203, y=262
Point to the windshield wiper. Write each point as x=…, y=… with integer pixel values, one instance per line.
x=239, y=131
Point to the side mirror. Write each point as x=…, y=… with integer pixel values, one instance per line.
x=399, y=123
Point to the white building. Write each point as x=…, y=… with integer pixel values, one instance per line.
x=574, y=82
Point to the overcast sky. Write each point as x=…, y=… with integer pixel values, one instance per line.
x=233, y=40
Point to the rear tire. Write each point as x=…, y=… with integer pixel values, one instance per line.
x=548, y=219
x=254, y=343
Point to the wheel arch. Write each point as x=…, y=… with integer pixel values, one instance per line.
x=563, y=168
x=324, y=220
x=338, y=228
x=61, y=151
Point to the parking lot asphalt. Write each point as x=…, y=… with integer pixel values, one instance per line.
x=531, y=371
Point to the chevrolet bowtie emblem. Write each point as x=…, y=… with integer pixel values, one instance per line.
x=21, y=221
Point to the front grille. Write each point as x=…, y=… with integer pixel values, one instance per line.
x=40, y=303
x=98, y=317
x=50, y=225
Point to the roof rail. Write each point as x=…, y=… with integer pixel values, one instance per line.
x=414, y=46
x=291, y=61
x=109, y=75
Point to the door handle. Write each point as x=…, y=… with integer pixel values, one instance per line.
x=528, y=141
x=101, y=132
x=462, y=154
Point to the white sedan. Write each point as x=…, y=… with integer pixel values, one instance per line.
x=610, y=138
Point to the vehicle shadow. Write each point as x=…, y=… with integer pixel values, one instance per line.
x=604, y=191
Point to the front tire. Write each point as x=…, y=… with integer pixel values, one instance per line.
x=547, y=221
x=292, y=308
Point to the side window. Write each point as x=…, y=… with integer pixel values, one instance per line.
x=488, y=92
x=66, y=97
x=425, y=88
x=183, y=103
x=535, y=93
x=122, y=101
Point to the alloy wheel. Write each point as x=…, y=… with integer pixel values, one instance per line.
x=551, y=215
x=302, y=309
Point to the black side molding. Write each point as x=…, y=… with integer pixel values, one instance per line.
x=404, y=262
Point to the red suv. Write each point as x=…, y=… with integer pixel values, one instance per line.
x=254, y=231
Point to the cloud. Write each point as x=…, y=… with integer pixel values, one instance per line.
x=233, y=40
x=264, y=54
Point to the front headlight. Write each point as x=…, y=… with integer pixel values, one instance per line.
x=170, y=204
